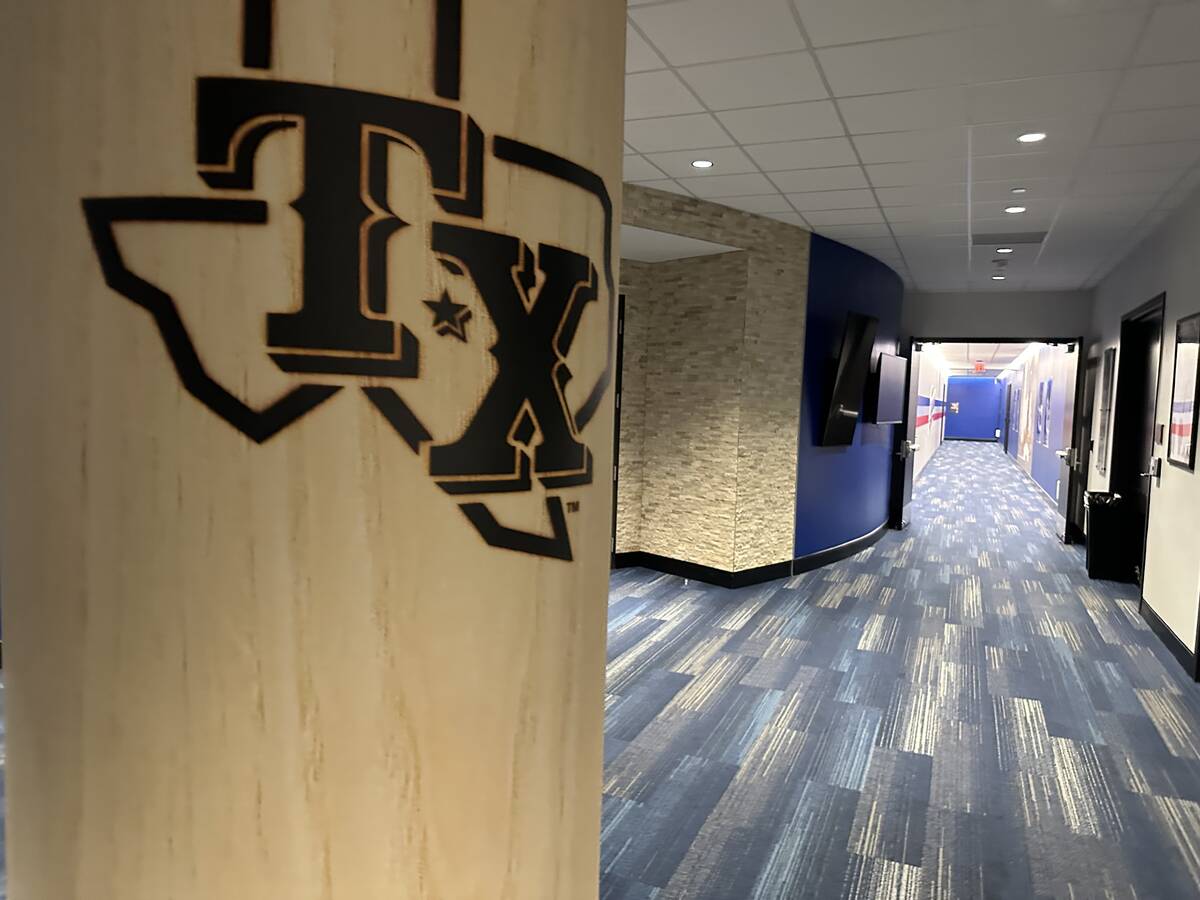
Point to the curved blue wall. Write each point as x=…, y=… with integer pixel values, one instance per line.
x=842, y=492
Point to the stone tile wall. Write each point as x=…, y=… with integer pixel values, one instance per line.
x=714, y=352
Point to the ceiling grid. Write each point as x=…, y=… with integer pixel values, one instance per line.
x=892, y=126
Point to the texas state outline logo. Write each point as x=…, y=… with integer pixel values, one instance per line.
x=523, y=426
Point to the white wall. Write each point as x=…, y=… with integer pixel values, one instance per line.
x=998, y=314
x=931, y=383
x=1169, y=260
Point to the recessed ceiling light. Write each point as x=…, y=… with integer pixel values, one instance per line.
x=1019, y=190
x=1004, y=249
x=702, y=164
x=997, y=278
x=1014, y=209
x=1032, y=137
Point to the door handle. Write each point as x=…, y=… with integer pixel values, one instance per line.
x=1155, y=469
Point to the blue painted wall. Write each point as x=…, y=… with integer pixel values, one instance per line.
x=842, y=492
x=979, y=399
x=1046, y=466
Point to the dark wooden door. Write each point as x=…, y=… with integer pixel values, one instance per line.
x=1133, y=428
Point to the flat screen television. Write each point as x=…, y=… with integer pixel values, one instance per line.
x=888, y=389
x=849, y=380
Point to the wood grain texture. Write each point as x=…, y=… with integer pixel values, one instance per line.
x=289, y=669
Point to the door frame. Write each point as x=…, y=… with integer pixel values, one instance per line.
x=901, y=493
x=1156, y=306
x=616, y=457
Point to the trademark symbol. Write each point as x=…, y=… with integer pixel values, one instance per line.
x=572, y=506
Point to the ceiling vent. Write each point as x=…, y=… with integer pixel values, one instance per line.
x=1007, y=240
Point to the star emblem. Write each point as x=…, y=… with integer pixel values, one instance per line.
x=449, y=317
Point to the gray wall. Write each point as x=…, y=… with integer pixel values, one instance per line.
x=998, y=314
x=1168, y=261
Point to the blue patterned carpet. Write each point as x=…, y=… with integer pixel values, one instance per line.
x=957, y=712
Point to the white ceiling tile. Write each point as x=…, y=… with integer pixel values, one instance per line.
x=837, y=232
x=1126, y=183
x=1021, y=166
x=1034, y=188
x=763, y=204
x=762, y=81
x=905, y=64
x=832, y=179
x=790, y=122
x=930, y=193
x=666, y=184
x=639, y=55
x=1035, y=98
x=1154, y=86
x=1018, y=49
x=1181, y=123
x=822, y=218
x=906, y=146
x=676, y=133
x=717, y=186
x=725, y=160
x=699, y=31
x=939, y=171
x=933, y=213
x=932, y=108
x=1171, y=35
x=1140, y=157
x=791, y=218
x=650, y=94
x=873, y=245
x=1063, y=136
x=849, y=21
x=958, y=229
x=636, y=168
x=821, y=153
x=820, y=200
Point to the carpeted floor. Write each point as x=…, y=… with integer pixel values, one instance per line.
x=957, y=712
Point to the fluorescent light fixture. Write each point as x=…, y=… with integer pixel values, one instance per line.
x=1019, y=190
x=1004, y=249
x=1014, y=209
x=1032, y=137
x=702, y=164
x=997, y=278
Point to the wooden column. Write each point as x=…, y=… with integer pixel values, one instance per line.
x=306, y=439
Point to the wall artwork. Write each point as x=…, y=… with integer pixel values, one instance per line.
x=1108, y=370
x=1181, y=447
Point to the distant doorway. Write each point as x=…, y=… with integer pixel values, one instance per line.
x=1133, y=430
x=1020, y=396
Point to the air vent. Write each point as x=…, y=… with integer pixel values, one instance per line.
x=1007, y=240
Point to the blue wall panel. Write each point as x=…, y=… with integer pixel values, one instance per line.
x=979, y=406
x=842, y=492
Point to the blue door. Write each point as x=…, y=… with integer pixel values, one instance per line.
x=973, y=407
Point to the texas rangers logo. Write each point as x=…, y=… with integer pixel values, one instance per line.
x=349, y=329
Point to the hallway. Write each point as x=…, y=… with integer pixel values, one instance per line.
x=956, y=712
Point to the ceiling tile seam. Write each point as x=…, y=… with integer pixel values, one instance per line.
x=632, y=24
x=842, y=118
x=970, y=207
x=1134, y=46
x=1108, y=263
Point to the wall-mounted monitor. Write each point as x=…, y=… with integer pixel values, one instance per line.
x=850, y=380
x=888, y=390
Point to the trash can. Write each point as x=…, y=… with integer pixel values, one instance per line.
x=1105, y=553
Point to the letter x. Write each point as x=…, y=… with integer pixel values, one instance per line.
x=535, y=334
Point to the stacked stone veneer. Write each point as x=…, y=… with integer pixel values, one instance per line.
x=711, y=387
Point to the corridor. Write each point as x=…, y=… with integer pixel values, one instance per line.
x=956, y=712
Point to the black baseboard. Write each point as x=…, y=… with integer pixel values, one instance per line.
x=840, y=552
x=1178, y=649
x=747, y=577
x=974, y=440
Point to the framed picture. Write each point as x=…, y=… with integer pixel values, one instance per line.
x=1181, y=445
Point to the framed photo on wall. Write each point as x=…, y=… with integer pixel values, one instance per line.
x=1181, y=445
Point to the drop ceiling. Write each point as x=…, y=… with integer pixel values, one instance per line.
x=964, y=356
x=891, y=125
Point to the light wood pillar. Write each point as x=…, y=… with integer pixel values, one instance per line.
x=305, y=336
